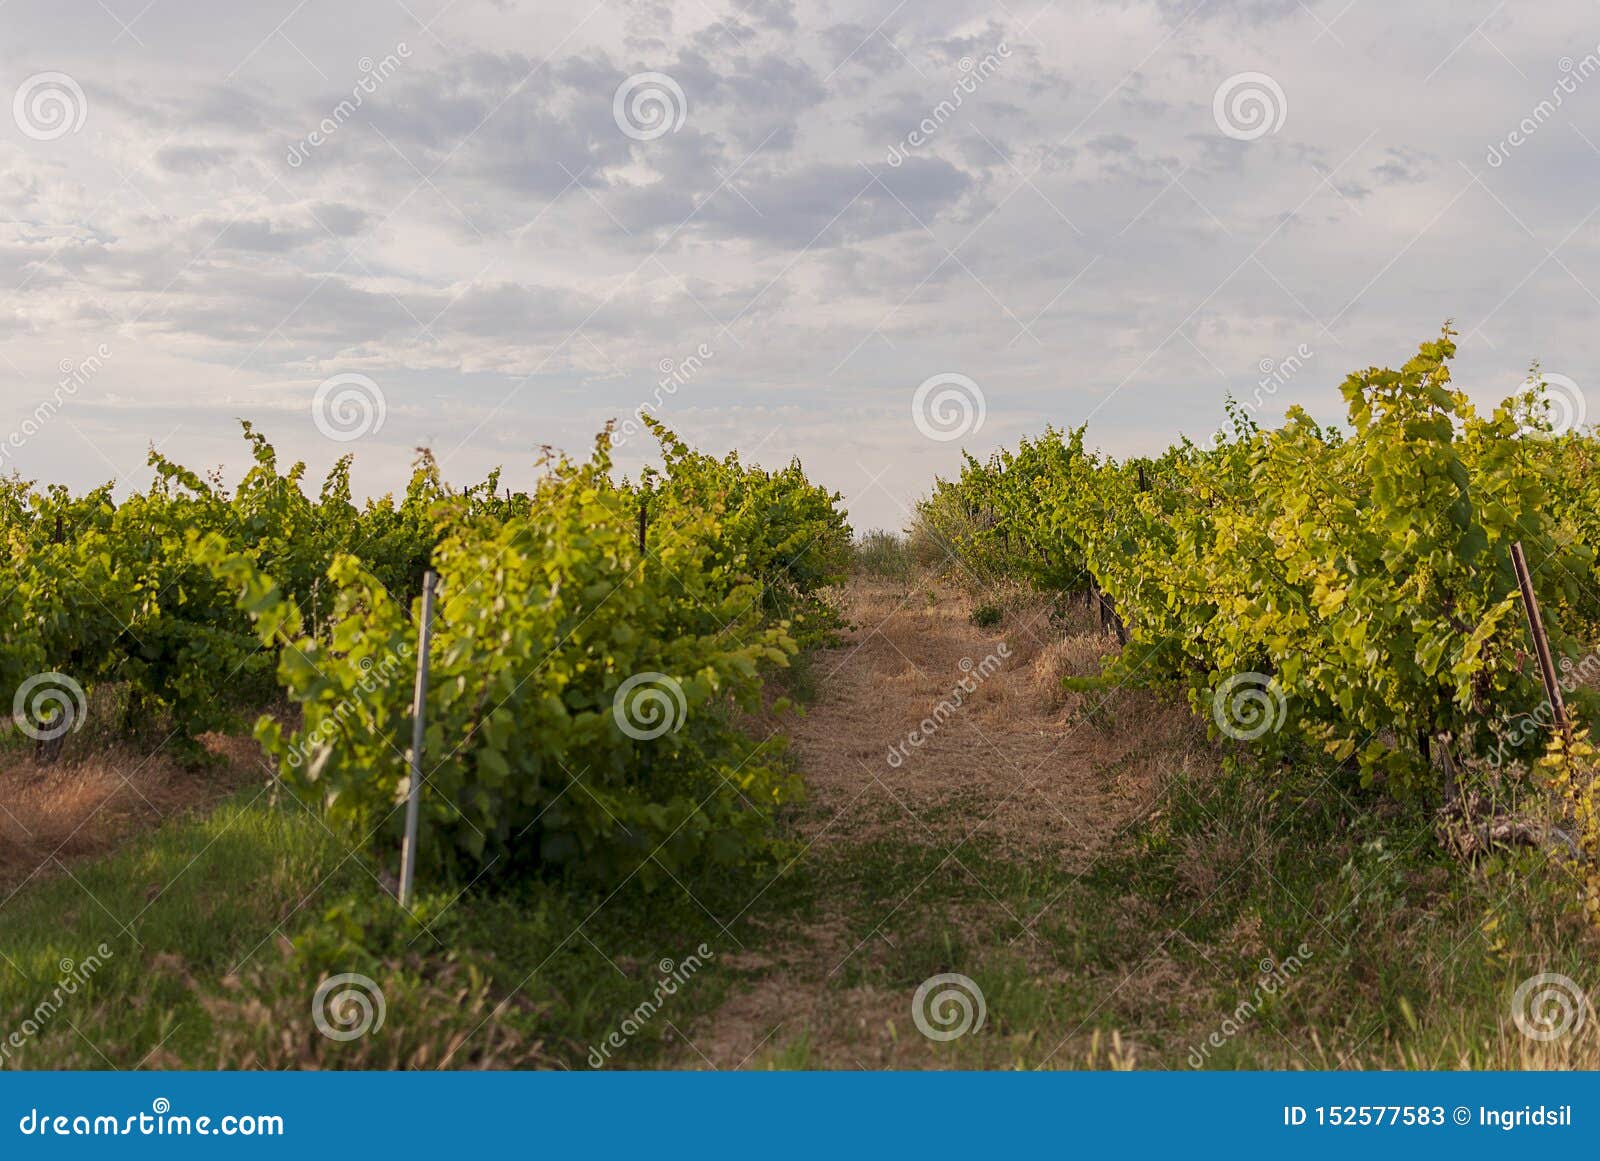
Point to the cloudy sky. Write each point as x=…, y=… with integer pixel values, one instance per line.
x=494, y=223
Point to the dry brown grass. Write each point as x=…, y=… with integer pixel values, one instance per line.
x=90, y=802
x=1034, y=763
x=1021, y=764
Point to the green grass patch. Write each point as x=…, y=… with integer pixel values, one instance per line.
x=884, y=555
x=1247, y=924
x=987, y=616
x=203, y=945
x=218, y=931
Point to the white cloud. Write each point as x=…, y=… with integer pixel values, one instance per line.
x=1075, y=234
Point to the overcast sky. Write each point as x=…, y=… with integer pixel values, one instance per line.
x=492, y=223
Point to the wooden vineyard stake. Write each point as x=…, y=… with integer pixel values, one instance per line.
x=1541, y=643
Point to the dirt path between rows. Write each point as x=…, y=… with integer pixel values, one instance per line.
x=1011, y=761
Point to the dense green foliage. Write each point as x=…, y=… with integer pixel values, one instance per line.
x=1361, y=579
x=196, y=598
x=108, y=592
